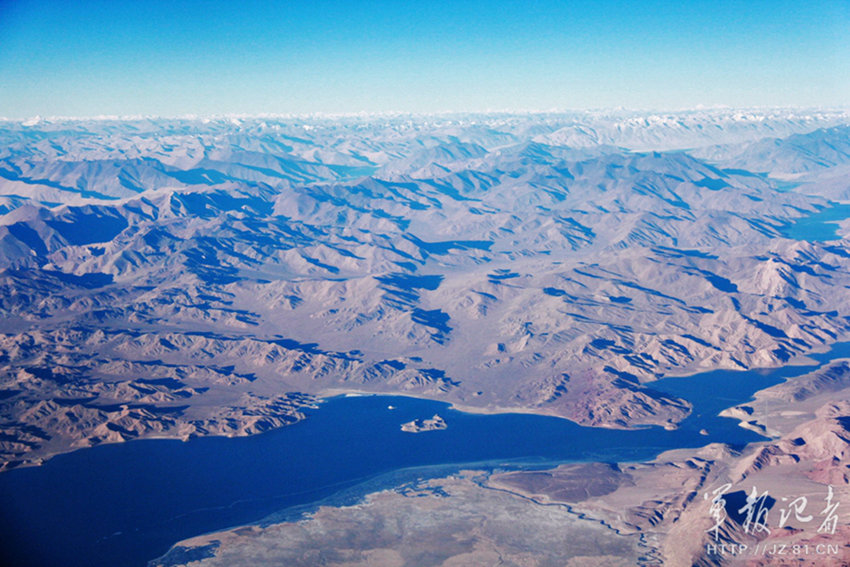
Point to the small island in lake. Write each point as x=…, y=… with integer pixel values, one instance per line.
x=420, y=425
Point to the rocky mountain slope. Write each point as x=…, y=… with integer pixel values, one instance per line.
x=189, y=277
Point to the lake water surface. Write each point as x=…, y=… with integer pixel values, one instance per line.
x=820, y=226
x=125, y=504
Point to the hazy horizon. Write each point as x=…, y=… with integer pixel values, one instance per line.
x=319, y=115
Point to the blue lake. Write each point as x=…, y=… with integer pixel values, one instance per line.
x=125, y=504
x=820, y=226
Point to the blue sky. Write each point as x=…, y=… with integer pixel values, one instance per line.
x=83, y=58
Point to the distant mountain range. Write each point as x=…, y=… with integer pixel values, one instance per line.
x=192, y=277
